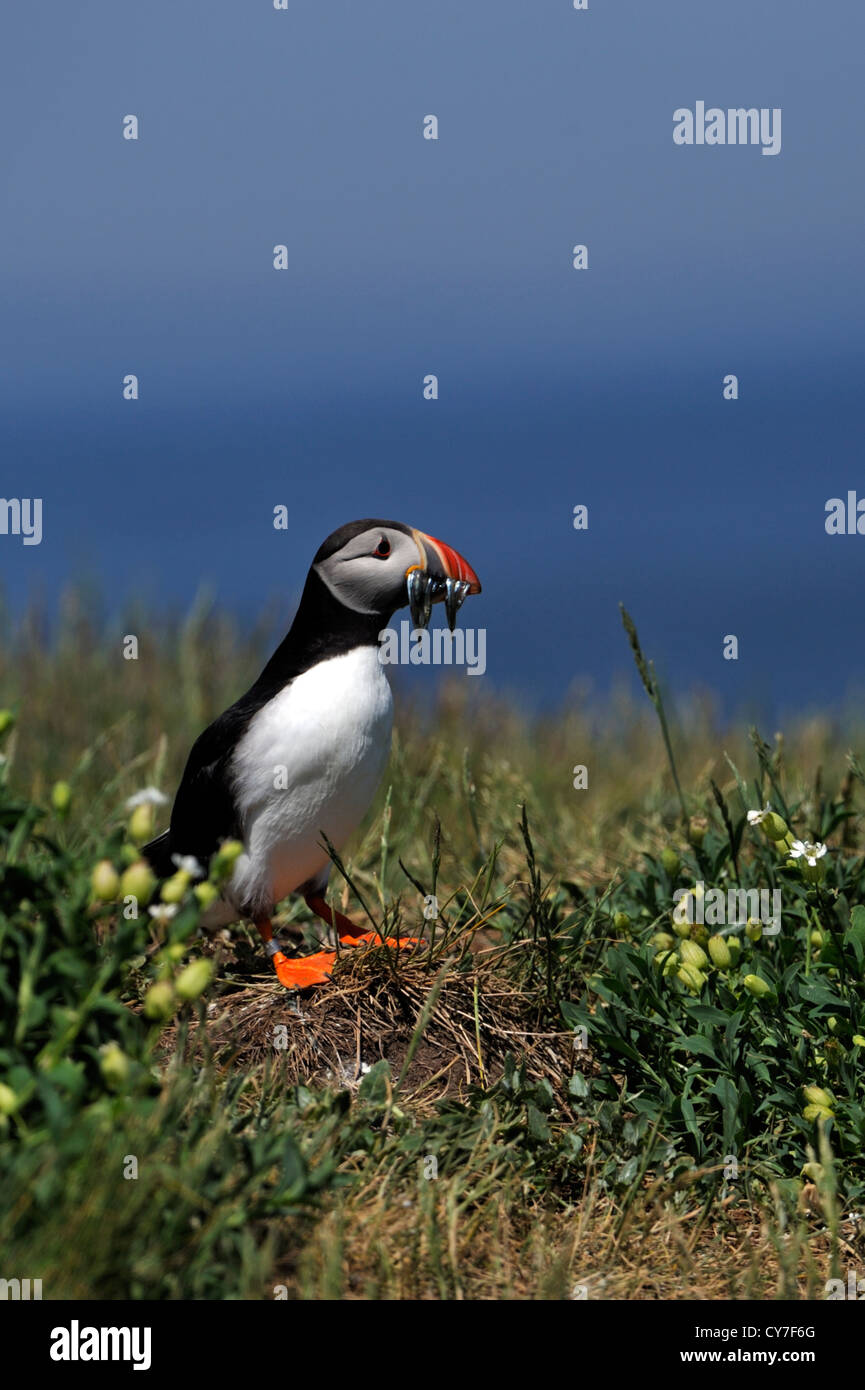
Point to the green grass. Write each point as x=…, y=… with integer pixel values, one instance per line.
x=480, y=1150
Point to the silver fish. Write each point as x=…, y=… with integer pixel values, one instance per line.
x=424, y=590
x=455, y=593
x=419, y=598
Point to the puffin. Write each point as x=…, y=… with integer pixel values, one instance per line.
x=299, y=756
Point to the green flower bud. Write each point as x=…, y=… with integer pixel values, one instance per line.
x=61, y=798
x=663, y=940
x=669, y=963
x=114, y=1065
x=671, y=862
x=816, y=939
x=174, y=889
x=700, y=934
x=138, y=882
x=205, y=893
x=754, y=985
x=834, y=1053
x=697, y=827
x=812, y=873
x=159, y=1001
x=692, y=954
x=8, y=1100
x=734, y=946
x=140, y=824
x=682, y=929
x=230, y=851
x=754, y=929
x=720, y=952
x=815, y=1095
x=174, y=951
x=692, y=978
x=194, y=980
x=774, y=827
x=104, y=882
x=813, y=1171
x=816, y=1112
x=7, y=721
x=621, y=921
x=223, y=862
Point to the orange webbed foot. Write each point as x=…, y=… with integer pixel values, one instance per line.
x=372, y=938
x=349, y=933
x=303, y=971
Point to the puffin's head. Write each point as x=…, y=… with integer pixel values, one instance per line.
x=375, y=567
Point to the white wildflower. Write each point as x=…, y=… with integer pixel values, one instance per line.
x=188, y=864
x=148, y=796
x=163, y=912
x=807, y=850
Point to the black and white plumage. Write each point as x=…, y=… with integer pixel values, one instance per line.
x=303, y=750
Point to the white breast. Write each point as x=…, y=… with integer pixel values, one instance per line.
x=310, y=760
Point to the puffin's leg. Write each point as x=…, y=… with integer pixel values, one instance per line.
x=300, y=972
x=350, y=934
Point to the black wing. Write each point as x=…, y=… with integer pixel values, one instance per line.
x=204, y=812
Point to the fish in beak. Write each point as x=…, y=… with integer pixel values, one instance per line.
x=443, y=576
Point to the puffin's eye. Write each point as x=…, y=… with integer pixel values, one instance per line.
x=382, y=550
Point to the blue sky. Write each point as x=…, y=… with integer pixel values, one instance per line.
x=409, y=256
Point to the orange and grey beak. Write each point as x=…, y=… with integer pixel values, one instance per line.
x=443, y=562
x=442, y=576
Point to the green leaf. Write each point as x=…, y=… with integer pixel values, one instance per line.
x=578, y=1086
x=706, y=1013
x=689, y=1115
x=375, y=1084
x=856, y=934
x=538, y=1127
x=697, y=1045
x=728, y=1096
x=292, y=1172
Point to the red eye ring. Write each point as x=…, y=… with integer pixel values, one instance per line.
x=382, y=550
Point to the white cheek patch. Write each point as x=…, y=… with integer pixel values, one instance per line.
x=341, y=595
x=362, y=589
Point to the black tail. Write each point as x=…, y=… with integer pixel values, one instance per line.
x=158, y=855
